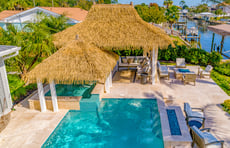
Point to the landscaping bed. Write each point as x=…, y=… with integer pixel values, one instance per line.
x=226, y=106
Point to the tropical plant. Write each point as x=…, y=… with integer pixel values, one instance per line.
x=218, y=12
x=55, y=24
x=172, y=15
x=168, y=3
x=151, y=13
x=201, y=8
x=35, y=42
x=226, y=106
x=223, y=69
x=191, y=55
x=182, y=3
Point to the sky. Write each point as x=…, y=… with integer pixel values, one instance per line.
x=160, y=2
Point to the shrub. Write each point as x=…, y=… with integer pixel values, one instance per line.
x=129, y=52
x=222, y=80
x=18, y=89
x=226, y=106
x=223, y=69
x=191, y=55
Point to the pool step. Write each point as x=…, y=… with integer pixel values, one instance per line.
x=90, y=104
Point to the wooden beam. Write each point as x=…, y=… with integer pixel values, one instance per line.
x=222, y=44
x=213, y=37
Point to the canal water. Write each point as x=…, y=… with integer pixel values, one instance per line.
x=206, y=36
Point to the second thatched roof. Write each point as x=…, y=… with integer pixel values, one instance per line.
x=76, y=62
x=117, y=27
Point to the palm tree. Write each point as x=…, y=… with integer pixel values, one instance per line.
x=168, y=3
x=182, y=3
x=172, y=15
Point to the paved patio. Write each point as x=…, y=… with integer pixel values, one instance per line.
x=29, y=128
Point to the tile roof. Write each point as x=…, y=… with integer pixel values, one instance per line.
x=7, y=13
x=74, y=13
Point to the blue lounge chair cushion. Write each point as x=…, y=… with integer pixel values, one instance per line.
x=195, y=122
x=208, y=137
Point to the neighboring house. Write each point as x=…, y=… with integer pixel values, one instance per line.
x=206, y=15
x=226, y=9
x=183, y=12
x=20, y=18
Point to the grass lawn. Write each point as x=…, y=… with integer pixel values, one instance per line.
x=178, y=40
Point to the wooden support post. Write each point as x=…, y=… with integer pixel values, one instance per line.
x=222, y=44
x=41, y=96
x=213, y=37
x=54, y=96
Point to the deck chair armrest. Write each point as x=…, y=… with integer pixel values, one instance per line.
x=214, y=142
x=205, y=129
x=195, y=117
x=201, y=109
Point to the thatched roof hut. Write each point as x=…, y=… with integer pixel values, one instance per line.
x=75, y=63
x=117, y=27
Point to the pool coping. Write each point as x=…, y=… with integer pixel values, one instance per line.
x=167, y=137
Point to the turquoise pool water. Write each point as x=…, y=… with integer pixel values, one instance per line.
x=73, y=90
x=119, y=123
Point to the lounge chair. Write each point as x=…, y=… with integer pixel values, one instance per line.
x=204, y=139
x=163, y=70
x=189, y=77
x=205, y=72
x=180, y=63
x=194, y=117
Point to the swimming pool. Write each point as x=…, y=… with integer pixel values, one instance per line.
x=83, y=90
x=119, y=123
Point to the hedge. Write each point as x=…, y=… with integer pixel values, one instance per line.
x=191, y=55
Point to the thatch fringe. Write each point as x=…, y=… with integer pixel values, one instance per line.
x=77, y=62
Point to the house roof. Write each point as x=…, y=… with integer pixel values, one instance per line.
x=74, y=13
x=7, y=13
x=115, y=27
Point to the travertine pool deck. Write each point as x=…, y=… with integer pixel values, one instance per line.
x=206, y=94
x=30, y=128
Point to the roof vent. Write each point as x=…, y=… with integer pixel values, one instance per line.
x=131, y=3
x=77, y=37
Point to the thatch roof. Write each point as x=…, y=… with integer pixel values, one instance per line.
x=75, y=62
x=222, y=29
x=115, y=26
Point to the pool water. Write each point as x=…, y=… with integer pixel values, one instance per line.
x=83, y=90
x=119, y=123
